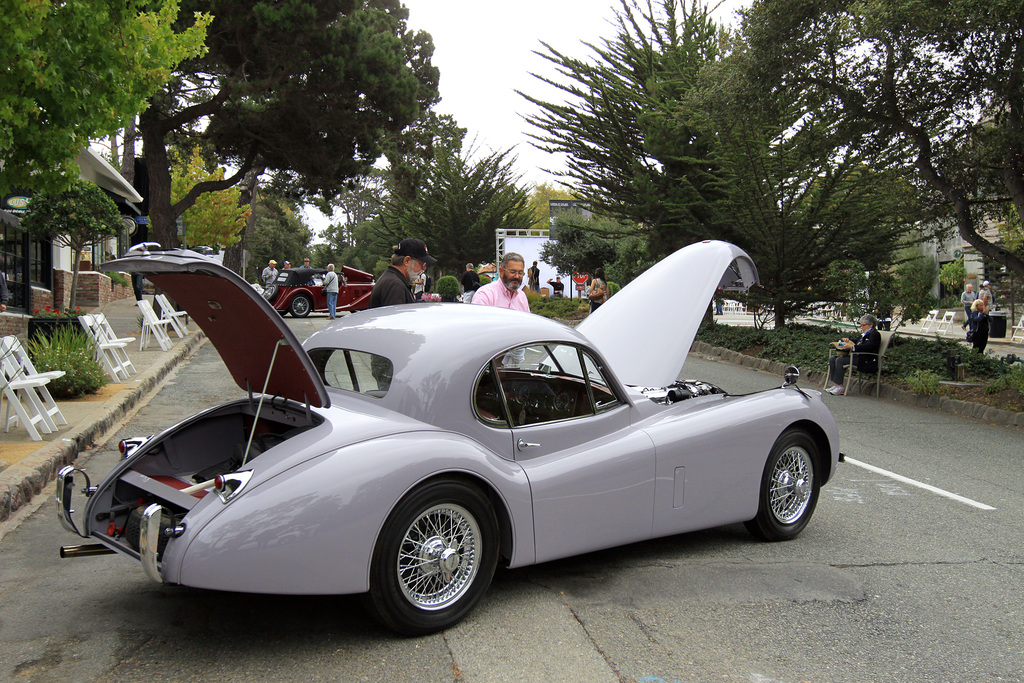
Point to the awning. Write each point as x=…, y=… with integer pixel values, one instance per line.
x=96, y=170
x=9, y=219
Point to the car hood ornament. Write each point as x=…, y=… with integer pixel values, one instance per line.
x=647, y=328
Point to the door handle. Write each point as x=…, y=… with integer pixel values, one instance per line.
x=523, y=445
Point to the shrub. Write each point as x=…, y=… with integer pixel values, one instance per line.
x=924, y=382
x=69, y=350
x=554, y=308
x=612, y=288
x=119, y=279
x=447, y=287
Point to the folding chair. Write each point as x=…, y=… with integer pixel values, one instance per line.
x=886, y=336
x=118, y=345
x=21, y=394
x=932, y=319
x=177, y=318
x=1017, y=334
x=29, y=372
x=946, y=323
x=153, y=326
x=110, y=354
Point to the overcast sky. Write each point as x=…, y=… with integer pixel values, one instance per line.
x=484, y=50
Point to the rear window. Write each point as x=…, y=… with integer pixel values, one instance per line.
x=364, y=373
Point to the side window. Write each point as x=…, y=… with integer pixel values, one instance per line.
x=358, y=371
x=539, y=383
x=604, y=397
x=487, y=401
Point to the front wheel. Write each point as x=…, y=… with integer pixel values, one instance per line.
x=300, y=306
x=789, y=488
x=434, y=559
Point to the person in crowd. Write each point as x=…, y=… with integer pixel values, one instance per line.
x=287, y=265
x=533, y=277
x=968, y=297
x=505, y=291
x=557, y=287
x=410, y=258
x=305, y=263
x=988, y=296
x=470, y=283
x=5, y=293
x=979, y=325
x=419, y=285
x=269, y=273
x=865, y=350
x=598, y=290
x=331, y=287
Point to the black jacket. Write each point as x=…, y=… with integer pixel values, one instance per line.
x=866, y=351
x=392, y=288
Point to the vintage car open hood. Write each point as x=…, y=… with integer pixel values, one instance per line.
x=243, y=327
x=647, y=328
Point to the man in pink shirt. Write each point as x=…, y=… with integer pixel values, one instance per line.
x=505, y=291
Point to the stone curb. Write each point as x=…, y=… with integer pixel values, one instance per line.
x=886, y=391
x=28, y=477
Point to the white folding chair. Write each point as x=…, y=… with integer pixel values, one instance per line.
x=118, y=345
x=946, y=323
x=152, y=326
x=177, y=318
x=932, y=319
x=29, y=372
x=110, y=354
x=1017, y=334
x=22, y=396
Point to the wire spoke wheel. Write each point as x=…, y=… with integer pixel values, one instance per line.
x=439, y=555
x=789, y=488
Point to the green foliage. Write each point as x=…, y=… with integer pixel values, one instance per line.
x=77, y=217
x=582, y=245
x=75, y=71
x=69, y=350
x=279, y=234
x=459, y=205
x=119, y=279
x=555, y=308
x=310, y=92
x=1013, y=379
x=953, y=274
x=942, y=104
x=485, y=280
x=539, y=206
x=612, y=288
x=633, y=150
x=447, y=288
x=924, y=382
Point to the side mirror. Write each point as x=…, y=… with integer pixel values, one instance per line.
x=791, y=375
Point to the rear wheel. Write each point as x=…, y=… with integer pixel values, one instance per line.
x=789, y=488
x=434, y=559
x=300, y=306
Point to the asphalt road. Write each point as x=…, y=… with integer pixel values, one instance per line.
x=889, y=582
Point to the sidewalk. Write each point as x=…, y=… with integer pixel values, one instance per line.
x=27, y=466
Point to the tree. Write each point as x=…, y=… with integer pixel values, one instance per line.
x=78, y=217
x=74, y=71
x=540, y=197
x=581, y=247
x=938, y=84
x=308, y=90
x=630, y=153
x=216, y=219
x=278, y=233
x=802, y=195
x=460, y=203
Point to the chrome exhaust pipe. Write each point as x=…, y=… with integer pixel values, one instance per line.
x=84, y=550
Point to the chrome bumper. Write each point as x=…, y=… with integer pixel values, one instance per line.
x=65, y=489
x=149, y=541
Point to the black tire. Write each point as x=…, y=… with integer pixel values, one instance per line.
x=421, y=580
x=789, y=488
x=300, y=306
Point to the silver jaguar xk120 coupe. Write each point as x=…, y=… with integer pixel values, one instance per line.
x=403, y=452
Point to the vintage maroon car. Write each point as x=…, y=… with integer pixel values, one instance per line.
x=298, y=291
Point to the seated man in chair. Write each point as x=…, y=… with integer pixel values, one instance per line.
x=865, y=349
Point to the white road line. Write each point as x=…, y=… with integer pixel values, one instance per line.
x=920, y=485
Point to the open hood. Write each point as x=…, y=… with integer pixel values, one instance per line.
x=243, y=327
x=647, y=328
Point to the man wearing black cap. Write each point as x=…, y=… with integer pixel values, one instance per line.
x=409, y=260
